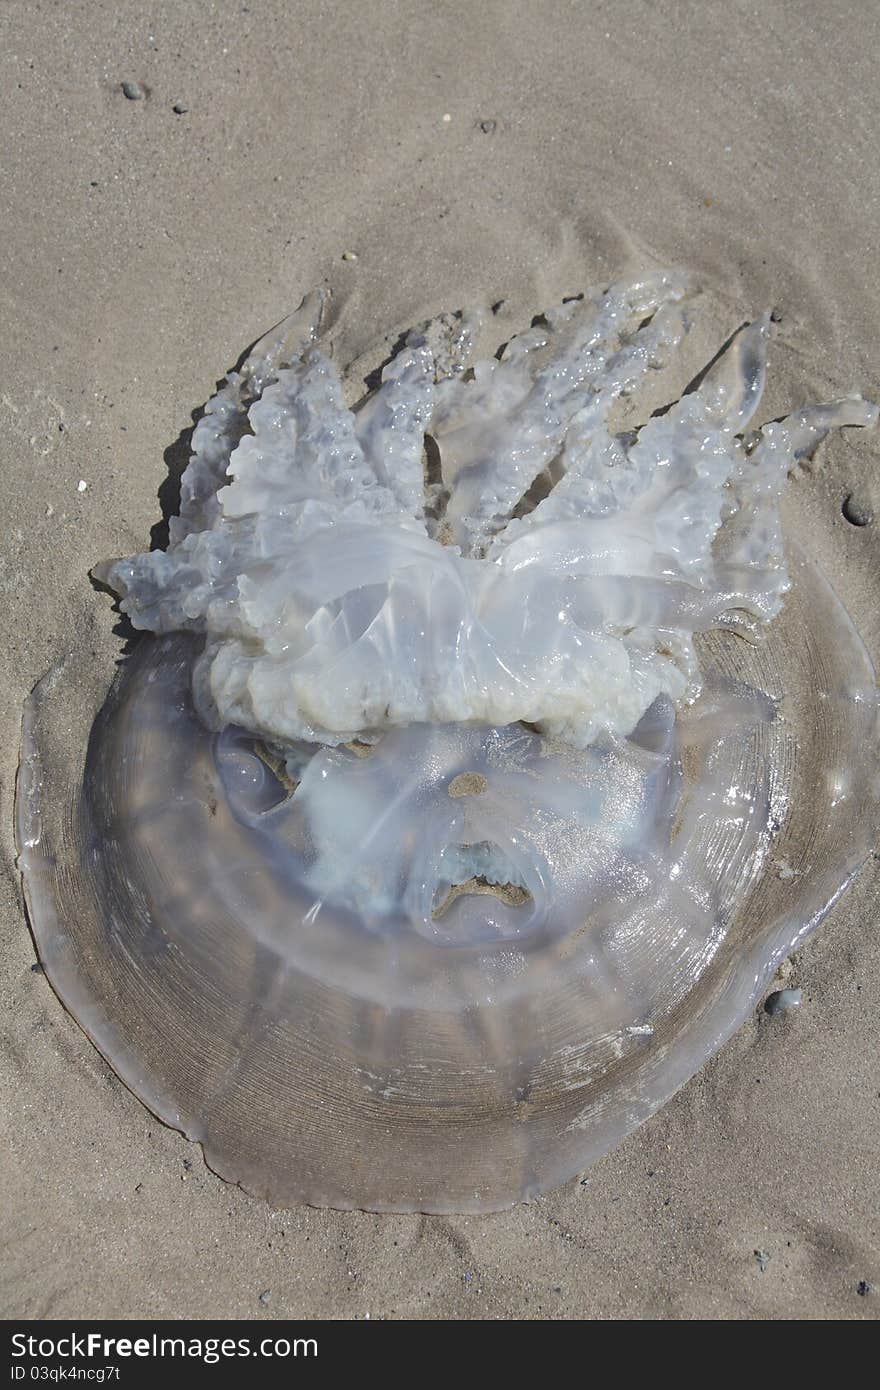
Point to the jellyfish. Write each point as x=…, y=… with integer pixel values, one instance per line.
x=428, y=839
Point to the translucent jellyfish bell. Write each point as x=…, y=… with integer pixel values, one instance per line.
x=435, y=839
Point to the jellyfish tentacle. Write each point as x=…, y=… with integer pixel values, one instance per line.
x=498, y=432
x=391, y=425
x=220, y=430
x=748, y=549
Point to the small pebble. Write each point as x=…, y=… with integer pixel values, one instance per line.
x=763, y=1259
x=488, y=127
x=179, y=108
x=36, y=968
x=82, y=485
x=857, y=511
x=446, y=118
x=863, y=1288
x=133, y=91
x=265, y=1296
x=782, y=1001
x=349, y=255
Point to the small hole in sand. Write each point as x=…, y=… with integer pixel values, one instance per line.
x=857, y=511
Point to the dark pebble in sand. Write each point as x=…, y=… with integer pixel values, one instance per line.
x=863, y=1288
x=857, y=511
x=265, y=1296
x=133, y=91
x=488, y=127
x=180, y=108
x=763, y=1259
x=782, y=1001
x=37, y=969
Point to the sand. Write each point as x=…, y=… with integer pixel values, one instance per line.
x=519, y=149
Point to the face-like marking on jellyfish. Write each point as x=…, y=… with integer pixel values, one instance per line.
x=429, y=847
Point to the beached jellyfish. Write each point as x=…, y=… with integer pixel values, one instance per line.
x=427, y=846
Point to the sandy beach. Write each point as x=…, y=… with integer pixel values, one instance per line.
x=415, y=157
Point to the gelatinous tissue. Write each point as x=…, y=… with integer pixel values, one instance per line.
x=342, y=589
x=438, y=826
x=474, y=544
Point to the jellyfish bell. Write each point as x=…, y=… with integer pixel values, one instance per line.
x=427, y=846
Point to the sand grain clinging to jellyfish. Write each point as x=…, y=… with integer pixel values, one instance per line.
x=428, y=846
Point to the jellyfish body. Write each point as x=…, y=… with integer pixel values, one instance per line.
x=426, y=850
